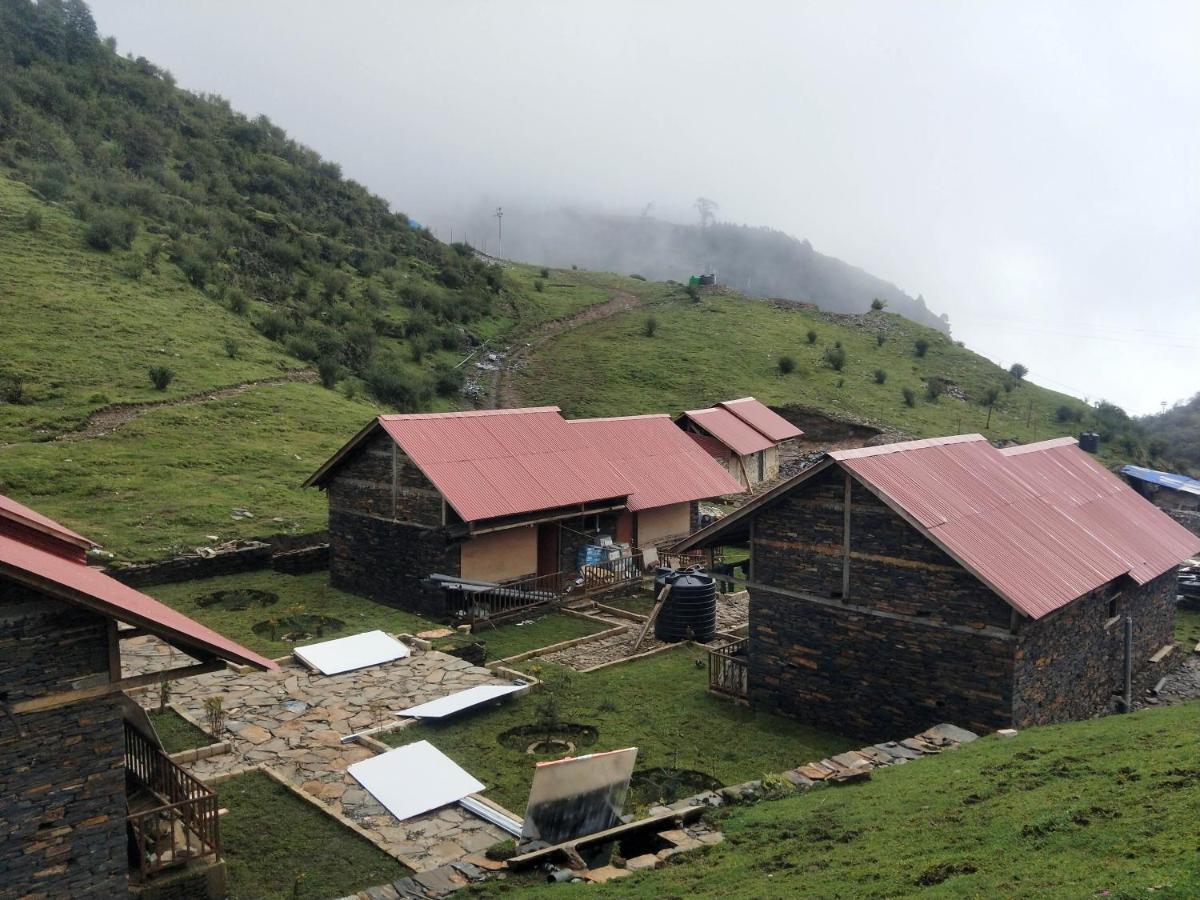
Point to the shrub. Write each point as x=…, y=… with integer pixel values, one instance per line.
x=544, y=272
x=1067, y=413
x=32, y=220
x=910, y=397
x=161, y=377
x=12, y=389
x=921, y=346
x=694, y=292
x=328, y=370
x=133, y=266
x=1018, y=371
x=110, y=228
x=841, y=383
x=880, y=376
x=835, y=358
x=539, y=285
x=231, y=348
x=239, y=303
x=1008, y=384
x=990, y=396
x=275, y=324
x=448, y=381
x=878, y=304
x=650, y=327
x=638, y=277
x=776, y=787
x=879, y=339
x=787, y=365
x=392, y=385
x=812, y=336
x=302, y=347
x=934, y=388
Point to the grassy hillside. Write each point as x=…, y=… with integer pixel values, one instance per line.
x=1102, y=808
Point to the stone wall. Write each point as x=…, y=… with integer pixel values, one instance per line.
x=246, y=558
x=864, y=675
x=300, y=562
x=387, y=560
x=62, y=782
x=1070, y=664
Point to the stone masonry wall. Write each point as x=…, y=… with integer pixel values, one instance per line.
x=1070, y=664
x=364, y=484
x=872, y=677
x=62, y=782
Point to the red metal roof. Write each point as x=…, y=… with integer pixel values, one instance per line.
x=735, y=434
x=493, y=463
x=759, y=417
x=664, y=464
x=22, y=515
x=709, y=445
x=1041, y=524
x=75, y=582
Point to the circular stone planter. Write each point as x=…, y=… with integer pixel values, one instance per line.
x=298, y=628
x=666, y=785
x=548, y=740
x=238, y=599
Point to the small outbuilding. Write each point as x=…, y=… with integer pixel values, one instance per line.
x=745, y=436
x=90, y=805
x=946, y=580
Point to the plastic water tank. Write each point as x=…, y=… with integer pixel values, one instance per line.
x=690, y=610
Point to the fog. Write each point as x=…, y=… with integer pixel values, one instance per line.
x=1029, y=168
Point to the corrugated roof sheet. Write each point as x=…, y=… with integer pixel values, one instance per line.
x=22, y=515
x=757, y=415
x=1163, y=479
x=75, y=582
x=664, y=464
x=709, y=445
x=1040, y=524
x=494, y=463
x=738, y=436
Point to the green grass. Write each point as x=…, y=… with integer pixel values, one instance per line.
x=1187, y=627
x=1105, y=807
x=308, y=594
x=658, y=704
x=726, y=346
x=176, y=732
x=277, y=847
x=82, y=335
x=511, y=639
x=642, y=604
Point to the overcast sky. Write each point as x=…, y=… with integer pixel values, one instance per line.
x=1032, y=169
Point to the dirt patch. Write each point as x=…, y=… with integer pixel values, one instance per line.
x=548, y=740
x=238, y=599
x=298, y=628
x=941, y=872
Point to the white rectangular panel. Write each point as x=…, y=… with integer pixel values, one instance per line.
x=371, y=648
x=445, y=706
x=414, y=779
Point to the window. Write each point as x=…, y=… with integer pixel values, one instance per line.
x=1112, y=606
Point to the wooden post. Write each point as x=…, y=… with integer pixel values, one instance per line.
x=846, y=542
x=662, y=598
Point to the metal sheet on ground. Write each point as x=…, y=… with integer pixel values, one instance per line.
x=577, y=796
x=457, y=702
x=414, y=779
x=358, y=651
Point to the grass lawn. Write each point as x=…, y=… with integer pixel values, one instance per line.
x=278, y=846
x=733, y=347
x=1187, y=627
x=176, y=732
x=658, y=704
x=642, y=604
x=1101, y=808
x=511, y=639
x=298, y=595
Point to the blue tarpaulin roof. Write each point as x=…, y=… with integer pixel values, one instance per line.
x=1163, y=479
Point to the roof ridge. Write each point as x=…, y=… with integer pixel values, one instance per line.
x=1036, y=446
x=904, y=446
x=466, y=413
x=619, y=418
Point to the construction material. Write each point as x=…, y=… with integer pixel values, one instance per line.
x=658, y=605
x=462, y=700
x=501, y=819
x=414, y=779
x=577, y=796
x=358, y=651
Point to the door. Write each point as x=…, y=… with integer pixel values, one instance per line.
x=547, y=552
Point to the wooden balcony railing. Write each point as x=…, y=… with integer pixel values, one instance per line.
x=728, y=669
x=173, y=816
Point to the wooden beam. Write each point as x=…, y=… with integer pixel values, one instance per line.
x=680, y=816
x=114, y=649
x=846, y=542
x=65, y=698
x=662, y=598
x=125, y=634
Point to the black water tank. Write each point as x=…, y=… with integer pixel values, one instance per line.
x=690, y=610
x=1089, y=441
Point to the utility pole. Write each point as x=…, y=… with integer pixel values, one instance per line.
x=500, y=230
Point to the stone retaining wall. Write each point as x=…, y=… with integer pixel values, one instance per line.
x=302, y=561
x=247, y=558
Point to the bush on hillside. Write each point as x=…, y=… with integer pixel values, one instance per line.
x=878, y=304
x=990, y=396
x=448, y=381
x=274, y=324
x=544, y=272
x=934, y=388
x=32, y=220
x=239, y=303
x=650, y=327
x=1067, y=413
x=811, y=336
x=879, y=339
x=392, y=384
x=231, y=347
x=921, y=346
x=910, y=396
x=539, y=285
x=835, y=358
x=161, y=377
x=328, y=370
x=110, y=228
x=787, y=365
x=880, y=376
x=1018, y=371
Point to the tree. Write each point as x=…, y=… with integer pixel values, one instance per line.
x=921, y=346
x=650, y=326
x=811, y=336
x=878, y=304
x=1018, y=371
x=707, y=210
x=990, y=396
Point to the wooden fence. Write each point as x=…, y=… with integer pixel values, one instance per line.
x=728, y=669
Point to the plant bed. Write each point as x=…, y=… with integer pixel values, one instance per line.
x=277, y=847
x=299, y=627
x=666, y=784
x=177, y=733
x=238, y=599
x=549, y=739
x=528, y=634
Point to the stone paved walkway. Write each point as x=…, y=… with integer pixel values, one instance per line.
x=293, y=721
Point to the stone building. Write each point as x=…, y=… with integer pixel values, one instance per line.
x=1176, y=495
x=85, y=788
x=743, y=435
x=503, y=495
x=895, y=587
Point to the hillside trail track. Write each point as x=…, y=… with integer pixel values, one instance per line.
x=110, y=418
x=504, y=394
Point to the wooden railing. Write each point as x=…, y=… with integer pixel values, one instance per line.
x=728, y=669
x=183, y=823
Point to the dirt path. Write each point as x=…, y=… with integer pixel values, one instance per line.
x=503, y=394
x=110, y=418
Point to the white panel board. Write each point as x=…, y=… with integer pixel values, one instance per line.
x=371, y=648
x=452, y=703
x=414, y=779
x=577, y=796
